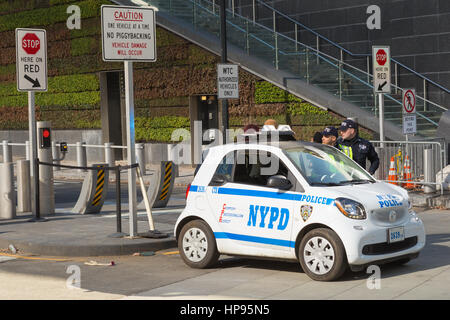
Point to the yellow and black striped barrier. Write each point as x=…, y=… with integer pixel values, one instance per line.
x=93, y=191
x=161, y=185
x=166, y=184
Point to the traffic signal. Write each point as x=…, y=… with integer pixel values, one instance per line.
x=63, y=147
x=45, y=138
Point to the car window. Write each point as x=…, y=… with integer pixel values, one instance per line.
x=225, y=167
x=255, y=168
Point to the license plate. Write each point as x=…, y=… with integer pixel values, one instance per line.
x=396, y=234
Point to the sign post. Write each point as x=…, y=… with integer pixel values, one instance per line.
x=381, y=61
x=129, y=34
x=31, y=76
x=409, y=112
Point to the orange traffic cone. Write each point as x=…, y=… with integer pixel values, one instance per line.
x=407, y=175
x=392, y=178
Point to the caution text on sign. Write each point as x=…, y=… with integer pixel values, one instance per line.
x=128, y=34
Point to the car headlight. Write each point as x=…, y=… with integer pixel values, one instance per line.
x=350, y=208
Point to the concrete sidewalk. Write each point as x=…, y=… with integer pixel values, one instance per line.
x=70, y=234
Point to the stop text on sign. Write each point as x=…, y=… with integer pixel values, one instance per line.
x=31, y=43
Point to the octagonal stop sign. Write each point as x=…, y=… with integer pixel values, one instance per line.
x=381, y=57
x=31, y=43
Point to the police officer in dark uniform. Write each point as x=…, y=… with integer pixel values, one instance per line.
x=355, y=147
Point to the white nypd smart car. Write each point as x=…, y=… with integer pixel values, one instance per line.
x=295, y=200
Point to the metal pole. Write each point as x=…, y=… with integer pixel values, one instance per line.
x=340, y=81
x=140, y=156
x=428, y=170
x=254, y=11
x=317, y=48
x=56, y=155
x=81, y=156
x=425, y=95
x=296, y=37
x=118, y=202
x=396, y=77
x=7, y=152
x=381, y=105
x=275, y=38
x=33, y=148
x=109, y=154
x=129, y=105
x=224, y=59
x=37, y=196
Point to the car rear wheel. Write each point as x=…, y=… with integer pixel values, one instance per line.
x=197, y=245
x=322, y=255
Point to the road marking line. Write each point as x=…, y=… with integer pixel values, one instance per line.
x=31, y=258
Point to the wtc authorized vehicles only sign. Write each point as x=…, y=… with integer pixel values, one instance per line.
x=227, y=81
x=31, y=59
x=128, y=33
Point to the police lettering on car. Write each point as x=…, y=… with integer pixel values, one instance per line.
x=295, y=200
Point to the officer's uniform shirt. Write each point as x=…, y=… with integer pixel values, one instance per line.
x=359, y=150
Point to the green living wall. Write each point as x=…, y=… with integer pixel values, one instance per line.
x=162, y=88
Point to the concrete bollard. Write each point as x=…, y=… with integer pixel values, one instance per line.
x=81, y=156
x=7, y=194
x=140, y=156
x=109, y=154
x=23, y=186
x=7, y=152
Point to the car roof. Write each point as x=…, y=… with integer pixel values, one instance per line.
x=280, y=145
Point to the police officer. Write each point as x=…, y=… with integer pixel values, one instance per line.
x=355, y=147
x=330, y=136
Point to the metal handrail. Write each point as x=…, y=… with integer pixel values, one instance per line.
x=349, y=52
x=319, y=53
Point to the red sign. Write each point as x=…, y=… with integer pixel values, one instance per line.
x=409, y=101
x=31, y=43
x=381, y=57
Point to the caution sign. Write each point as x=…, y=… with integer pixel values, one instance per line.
x=128, y=33
x=31, y=59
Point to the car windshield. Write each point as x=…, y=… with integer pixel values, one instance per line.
x=323, y=165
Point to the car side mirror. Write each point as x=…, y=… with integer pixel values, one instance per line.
x=218, y=180
x=279, y=182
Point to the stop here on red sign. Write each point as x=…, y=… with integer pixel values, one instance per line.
x=31, y=43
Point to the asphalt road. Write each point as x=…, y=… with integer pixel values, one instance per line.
x=164, y=276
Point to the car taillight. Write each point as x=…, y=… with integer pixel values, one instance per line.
x=187, y=190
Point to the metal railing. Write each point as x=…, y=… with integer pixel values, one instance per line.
x=276, y=13
x=339, y=77
x=81, y=152
x=423, y=171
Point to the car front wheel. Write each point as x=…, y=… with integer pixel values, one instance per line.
x=197, y=245
x=322, y=255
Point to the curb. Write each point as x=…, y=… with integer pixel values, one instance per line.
x=91, y=250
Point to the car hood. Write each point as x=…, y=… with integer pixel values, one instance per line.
x=371, y=195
